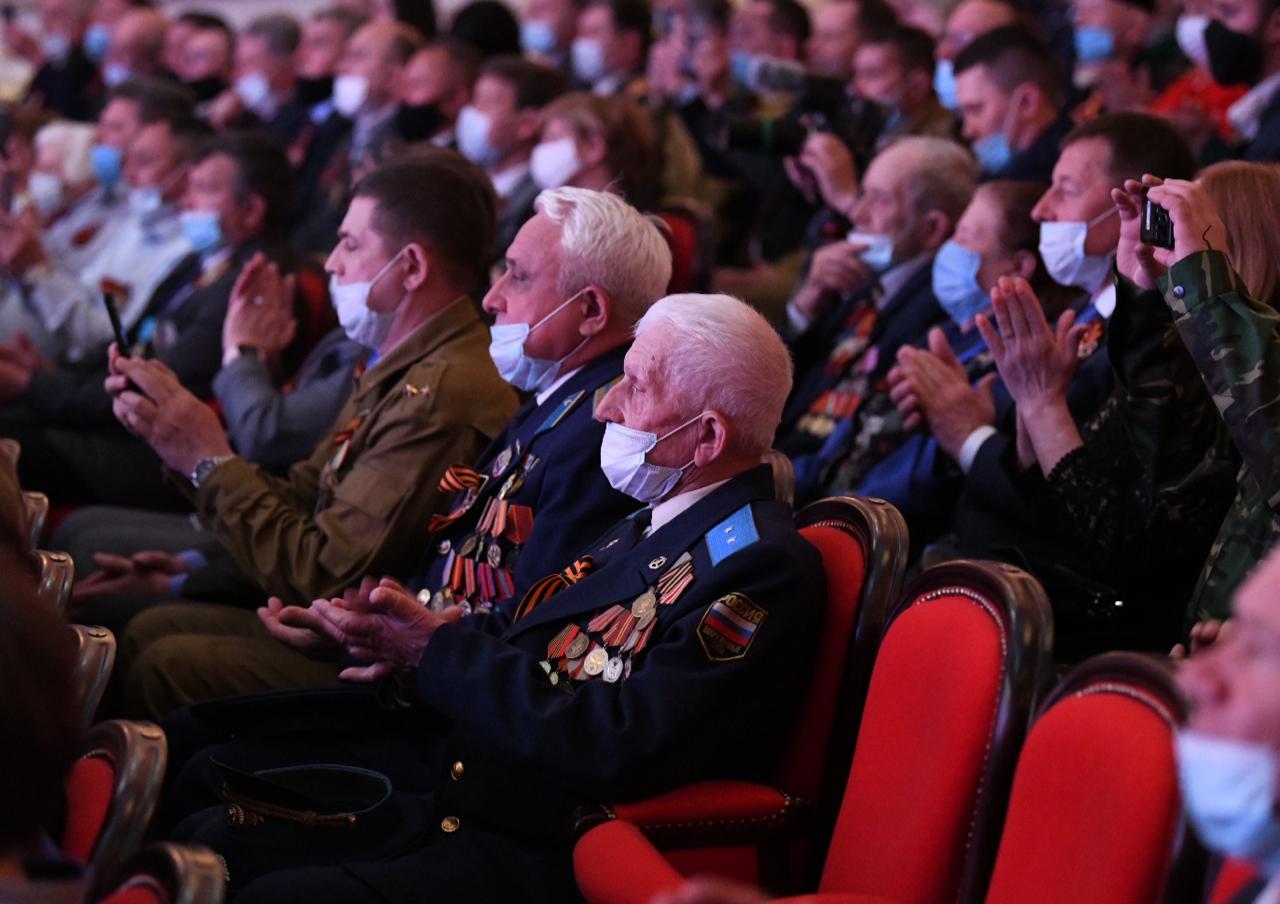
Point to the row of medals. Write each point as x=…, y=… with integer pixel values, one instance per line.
x=625, y=630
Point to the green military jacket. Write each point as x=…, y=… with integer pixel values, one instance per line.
x=1235, y=342
x=360, y=504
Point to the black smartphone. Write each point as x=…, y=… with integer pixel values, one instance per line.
x=1156, y=229
x=110, y=294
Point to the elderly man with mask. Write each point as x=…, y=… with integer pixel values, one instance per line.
x=629, y=671
x=578, y=277
x=866, y=295
x=400, y=276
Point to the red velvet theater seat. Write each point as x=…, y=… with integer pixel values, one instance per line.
x=112, y=791
x=1094, y=813
x=168, y=874
x=955, y=679
x=748, y=831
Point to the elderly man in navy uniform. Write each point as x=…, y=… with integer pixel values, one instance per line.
x=673, y=649
x=579, y=275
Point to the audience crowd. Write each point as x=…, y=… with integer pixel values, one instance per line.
x=404, y=388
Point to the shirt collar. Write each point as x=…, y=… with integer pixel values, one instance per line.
x=893, y=279
x=1105, y=301
x=1246, y=113
x=560, y=381
x=668, y=510
x=506, y=181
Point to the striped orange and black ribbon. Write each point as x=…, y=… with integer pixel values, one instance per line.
x=459, y=477
x=552, y=584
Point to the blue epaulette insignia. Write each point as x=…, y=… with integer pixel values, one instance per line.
x=560, y=411
x=731, y=535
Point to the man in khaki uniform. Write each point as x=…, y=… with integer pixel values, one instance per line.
x=411, y=246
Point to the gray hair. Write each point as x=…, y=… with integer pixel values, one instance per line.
x=279, y=31
x=606, y=242
x=729, y=358
x=76, y=142
x=943, y=175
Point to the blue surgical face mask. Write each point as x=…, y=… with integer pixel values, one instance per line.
x=993, y=152
x=955, y=282
x=944, y=84
x=586, y=58
x=97, y=39
x=202, y=229
x=1094, y=44
x=1229, y=791
x=537, y=37
x=506, y=348
x=107, y=163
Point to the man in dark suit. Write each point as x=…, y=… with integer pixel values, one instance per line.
x=864, y=298
x=674, y=638
x=66, y=80
x=264, y=93
x=532, y=500
x=237, y=196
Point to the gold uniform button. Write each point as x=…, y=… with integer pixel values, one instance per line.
x=456, y=772
x=450, y=824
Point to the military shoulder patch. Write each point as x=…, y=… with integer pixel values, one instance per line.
x=734, y=533
x=728, y=627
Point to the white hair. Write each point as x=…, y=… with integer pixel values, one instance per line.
x=74, y=144
x=725, y=354
x=606, y=242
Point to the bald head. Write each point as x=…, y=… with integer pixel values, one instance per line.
x=972, y=19
x=137, y=41
x=378, y=52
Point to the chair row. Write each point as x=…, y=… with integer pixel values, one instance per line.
x=907, y=778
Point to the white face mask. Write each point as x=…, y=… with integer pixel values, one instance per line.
x=622, y=458
x=143, y=201
x=473, y=137
x=506, y=348
x=1190, y=34
x=115, y=73
x=46, y=191
x=1229, y=791
x=254, y=91
x=1062, y=247
x=554, y=163
x=878, y=255
x=349, y=94
x=362, y=325
x=586, y=58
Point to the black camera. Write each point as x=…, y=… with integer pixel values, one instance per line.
x=1156, y=228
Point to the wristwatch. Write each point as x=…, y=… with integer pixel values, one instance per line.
x=205, y=467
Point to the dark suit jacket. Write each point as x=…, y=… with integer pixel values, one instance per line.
x=514, y=212
x=71, y=87
x=1035, y=164
x=690, y=708
x=903, y=320
x=189, y=316
x=1265, y=147
x=569, y=498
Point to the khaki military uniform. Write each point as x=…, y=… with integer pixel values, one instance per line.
x=359, y=505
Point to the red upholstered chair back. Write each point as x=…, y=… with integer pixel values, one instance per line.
x=1094, y=811
x=112, y=791
x=960, y=665
x=863, y=543
x=688, y=235
x=168, y=874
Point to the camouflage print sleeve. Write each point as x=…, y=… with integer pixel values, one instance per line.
x=1235, y=342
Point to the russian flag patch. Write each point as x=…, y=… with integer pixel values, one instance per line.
x=728, y=627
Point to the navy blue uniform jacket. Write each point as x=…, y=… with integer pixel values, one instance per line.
x=571, y=499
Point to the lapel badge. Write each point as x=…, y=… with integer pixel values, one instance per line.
x=655, y=564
